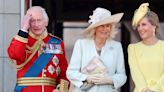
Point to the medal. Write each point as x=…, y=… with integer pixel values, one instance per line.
x=55, y=60
x=57, y=70
x=51, y=69
x=53, y=48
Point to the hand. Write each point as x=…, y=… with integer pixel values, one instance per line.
x=148, y=90
x=90, y=78
x=55, y=90
x=26, y=21
x=102, y=79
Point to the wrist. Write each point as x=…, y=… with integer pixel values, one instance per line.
x=88, y=79
x=22, y=36
x=109, y=80
x=23, y=33
x=24, y=30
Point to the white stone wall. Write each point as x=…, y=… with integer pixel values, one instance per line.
x=9, y=25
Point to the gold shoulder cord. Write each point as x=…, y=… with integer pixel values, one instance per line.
x=55, y=36
x=36, y=47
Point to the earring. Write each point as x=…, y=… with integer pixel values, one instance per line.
x=154, y=32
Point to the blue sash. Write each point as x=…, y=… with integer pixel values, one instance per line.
x=37, y=66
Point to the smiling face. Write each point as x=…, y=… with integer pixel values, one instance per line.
x=38, y=23
x=146, y=29
x=103, y=31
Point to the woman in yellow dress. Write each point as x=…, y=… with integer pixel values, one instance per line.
x=146, y=58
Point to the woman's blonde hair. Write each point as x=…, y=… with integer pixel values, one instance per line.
x=153, y=19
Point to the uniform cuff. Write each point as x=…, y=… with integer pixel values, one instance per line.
x=22, y=36
x=83, y=78
x=23, y=33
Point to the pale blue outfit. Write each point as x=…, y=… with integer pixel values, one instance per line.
x=112, y=57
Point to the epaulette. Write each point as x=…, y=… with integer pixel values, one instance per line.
x=56, y=38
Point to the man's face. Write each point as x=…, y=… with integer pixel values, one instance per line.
x=38, y=23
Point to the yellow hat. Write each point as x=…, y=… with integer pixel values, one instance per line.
x=140, y=13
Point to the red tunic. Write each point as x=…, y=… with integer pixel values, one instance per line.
x=17, y=51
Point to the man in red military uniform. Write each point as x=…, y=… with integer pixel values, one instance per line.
x=39, y=56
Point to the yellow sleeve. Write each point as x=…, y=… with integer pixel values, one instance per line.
x=160, y=83
x=159, y=87
x=137, y=76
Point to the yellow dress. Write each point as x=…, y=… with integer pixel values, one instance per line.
x=147, y=66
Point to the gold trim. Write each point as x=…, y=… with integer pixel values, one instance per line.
x=63, y=86
x=19, y=38
x=36, y=84
x=29, y=81
x=55, y=36
x=36, y=47
x=27, y=60
x=35, y=78
x=42, y=36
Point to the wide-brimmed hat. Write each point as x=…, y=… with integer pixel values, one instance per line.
x=102, y=16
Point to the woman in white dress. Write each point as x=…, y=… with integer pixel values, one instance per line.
x=97, y=62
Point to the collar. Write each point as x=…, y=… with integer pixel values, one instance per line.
x=42, y=36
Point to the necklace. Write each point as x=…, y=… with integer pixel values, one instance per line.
x=98, y=50
x=99, y=44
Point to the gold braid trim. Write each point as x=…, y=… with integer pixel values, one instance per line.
x=30, y=81
x=21, y=39
x=42, y=36
x=55, y=36
x=38, y=46
x=140, y=13
x=63, y=86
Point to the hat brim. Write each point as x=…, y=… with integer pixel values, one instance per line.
x=109, y=20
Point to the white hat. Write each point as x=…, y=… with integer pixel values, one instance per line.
x=102, y=16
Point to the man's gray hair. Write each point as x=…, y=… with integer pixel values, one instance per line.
x=42, y=10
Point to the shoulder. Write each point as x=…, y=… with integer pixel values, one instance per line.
x=83, y=41
x=114, y=43
x=55, y=38
x=134, y=45
x=161, y=42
